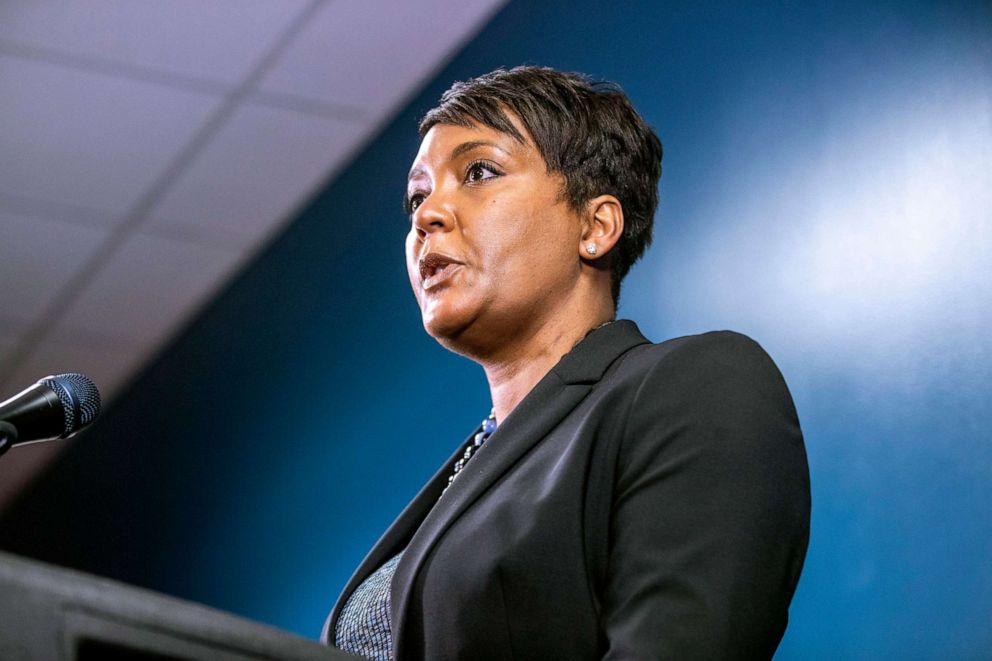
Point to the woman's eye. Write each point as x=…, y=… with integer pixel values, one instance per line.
x=480, y=171
x=414, y=201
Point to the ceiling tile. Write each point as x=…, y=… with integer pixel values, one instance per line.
x=108, y=367
x=38, y=258
x=221, y=40
x=88, y=139
x=394, y=45
x=147, y=290
x=255, y=172
x=7, y=345
x=11, y=328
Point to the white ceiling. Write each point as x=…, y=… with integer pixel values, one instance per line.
x=148, y=150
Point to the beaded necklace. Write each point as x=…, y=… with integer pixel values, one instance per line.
x=488, y=427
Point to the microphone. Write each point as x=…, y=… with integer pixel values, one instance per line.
x=54, y=408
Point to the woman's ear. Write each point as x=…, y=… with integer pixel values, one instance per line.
x=603, y=227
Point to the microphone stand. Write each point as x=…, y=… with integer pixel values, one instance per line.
x=8, y=436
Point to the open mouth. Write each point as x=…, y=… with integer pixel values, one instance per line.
x=435, y=268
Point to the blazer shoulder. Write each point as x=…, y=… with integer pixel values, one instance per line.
x=722, y=349
x=710, y=371
x=717, y=394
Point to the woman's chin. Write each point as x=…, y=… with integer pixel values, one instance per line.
x=445, y=322
x=440, y=322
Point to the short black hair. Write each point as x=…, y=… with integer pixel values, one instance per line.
x=586, y=130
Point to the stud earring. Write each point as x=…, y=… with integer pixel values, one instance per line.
x=591, y=248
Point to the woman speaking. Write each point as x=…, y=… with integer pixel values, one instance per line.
x=623, y=499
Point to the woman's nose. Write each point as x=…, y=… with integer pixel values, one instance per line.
x=433, y=215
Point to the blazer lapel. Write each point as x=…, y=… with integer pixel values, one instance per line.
x=538, y=413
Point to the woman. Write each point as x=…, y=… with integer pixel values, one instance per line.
x=623, y=500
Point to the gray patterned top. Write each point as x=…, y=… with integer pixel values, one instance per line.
x=363, y=627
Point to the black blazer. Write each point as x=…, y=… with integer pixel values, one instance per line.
x=643, y=501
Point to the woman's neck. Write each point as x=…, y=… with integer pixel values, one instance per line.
x=515, y=372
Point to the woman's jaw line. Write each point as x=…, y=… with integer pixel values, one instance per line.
x=491, y=337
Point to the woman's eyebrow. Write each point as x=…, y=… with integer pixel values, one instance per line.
x=416, y=171
x=473, y=144
x=464, y=147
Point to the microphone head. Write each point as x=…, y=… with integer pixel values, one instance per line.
x=80, y=400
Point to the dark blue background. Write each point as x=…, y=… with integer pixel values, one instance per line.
x=826, y=190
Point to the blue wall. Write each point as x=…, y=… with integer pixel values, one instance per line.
x=827, y=189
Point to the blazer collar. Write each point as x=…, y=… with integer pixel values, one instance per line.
x=542, y=409
x=589, y=359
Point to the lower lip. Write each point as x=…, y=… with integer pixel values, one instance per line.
x=440, y=278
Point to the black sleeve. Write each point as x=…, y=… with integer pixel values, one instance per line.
x=711, y=507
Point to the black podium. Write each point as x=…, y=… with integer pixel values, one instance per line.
x=50, y=613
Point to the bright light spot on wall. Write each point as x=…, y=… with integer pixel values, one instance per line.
x=869, y=231
x=900, y=214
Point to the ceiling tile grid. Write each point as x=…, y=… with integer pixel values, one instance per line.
x=86, y=138
x=147, y=150
x=372, y=54
x=146, y=287
x=219, y=40
x=38, y=258
x=107, y=366
x=257, y=168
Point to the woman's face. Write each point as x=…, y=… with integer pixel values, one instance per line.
x=493, y=246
